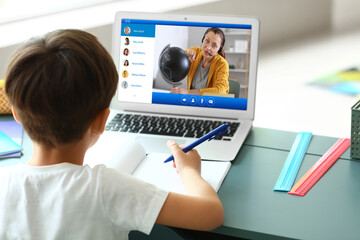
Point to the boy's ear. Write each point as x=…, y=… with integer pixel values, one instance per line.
x=15, y=115
x=99, y=122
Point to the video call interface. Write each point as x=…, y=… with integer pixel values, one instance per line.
x=153, y=61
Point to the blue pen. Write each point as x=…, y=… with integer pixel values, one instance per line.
x=211, y=135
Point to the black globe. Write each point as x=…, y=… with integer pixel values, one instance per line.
x=173, y=64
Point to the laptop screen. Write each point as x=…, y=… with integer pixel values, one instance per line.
x=186, y=62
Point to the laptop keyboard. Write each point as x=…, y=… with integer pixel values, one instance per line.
x=169, y=126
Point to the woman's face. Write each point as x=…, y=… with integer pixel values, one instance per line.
x=211, y=44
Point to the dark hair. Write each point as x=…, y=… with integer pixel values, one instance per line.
x=217, y=31
x=58, y=83
x=127, y=50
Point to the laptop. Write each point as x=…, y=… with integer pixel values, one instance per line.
x=144, y=93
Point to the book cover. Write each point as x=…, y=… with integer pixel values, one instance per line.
x=343, y=82
x=7, y=145
x=14, y=130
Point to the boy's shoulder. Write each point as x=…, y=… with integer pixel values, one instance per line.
x=64, y=177
x=22, y=170
x=116, y=200
x=9, y=170
x=73, y=172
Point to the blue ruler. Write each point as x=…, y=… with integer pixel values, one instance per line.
x=293, y=162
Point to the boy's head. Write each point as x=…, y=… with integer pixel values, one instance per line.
x=58, y=83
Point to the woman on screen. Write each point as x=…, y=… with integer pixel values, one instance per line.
x=209, y=70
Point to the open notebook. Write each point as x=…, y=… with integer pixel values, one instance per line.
x=130, y=157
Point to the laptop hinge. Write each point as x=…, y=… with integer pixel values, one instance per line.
x=183, y=115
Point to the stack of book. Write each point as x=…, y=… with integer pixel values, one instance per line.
x=11, y=134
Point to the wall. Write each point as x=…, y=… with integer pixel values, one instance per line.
x=103, y=33
x=5, y=54
x=345, y=15
x=281, y=20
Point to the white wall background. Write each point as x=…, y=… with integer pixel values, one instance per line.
x=345, y=15
x=282, y=21
x=168, y=35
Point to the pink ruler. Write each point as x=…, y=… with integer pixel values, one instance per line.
x=320, y=167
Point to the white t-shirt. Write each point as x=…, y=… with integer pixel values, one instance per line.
x=67, y=201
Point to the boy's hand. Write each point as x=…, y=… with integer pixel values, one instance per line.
x=184, y=161
x=200, y=208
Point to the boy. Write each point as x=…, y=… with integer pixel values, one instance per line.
x=60, y=87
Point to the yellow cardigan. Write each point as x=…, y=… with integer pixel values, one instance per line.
x=218, y=73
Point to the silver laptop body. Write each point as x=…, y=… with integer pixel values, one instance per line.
x=143, y=91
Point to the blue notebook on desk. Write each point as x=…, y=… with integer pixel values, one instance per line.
x=7, y=145
x=14, y=131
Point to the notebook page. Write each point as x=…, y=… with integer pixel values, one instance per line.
x=121, y=154
x=153, y=170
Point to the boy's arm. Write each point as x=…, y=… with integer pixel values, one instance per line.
x=201, y=208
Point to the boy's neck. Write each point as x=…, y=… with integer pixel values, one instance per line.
x=71, y=153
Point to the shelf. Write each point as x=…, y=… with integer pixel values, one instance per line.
x=227, y=52
x=238, y=70
x=236, y=33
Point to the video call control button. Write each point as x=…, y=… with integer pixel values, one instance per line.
x=184, y=100
x=193, y=100
x=202, y=101
x=210, y=102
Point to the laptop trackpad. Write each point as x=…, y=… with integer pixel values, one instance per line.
x=157, y=144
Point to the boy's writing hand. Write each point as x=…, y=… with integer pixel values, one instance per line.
x=184, y=161
x=200, y=208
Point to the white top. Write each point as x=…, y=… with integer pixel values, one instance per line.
x=67, y=201
x=201, y=77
